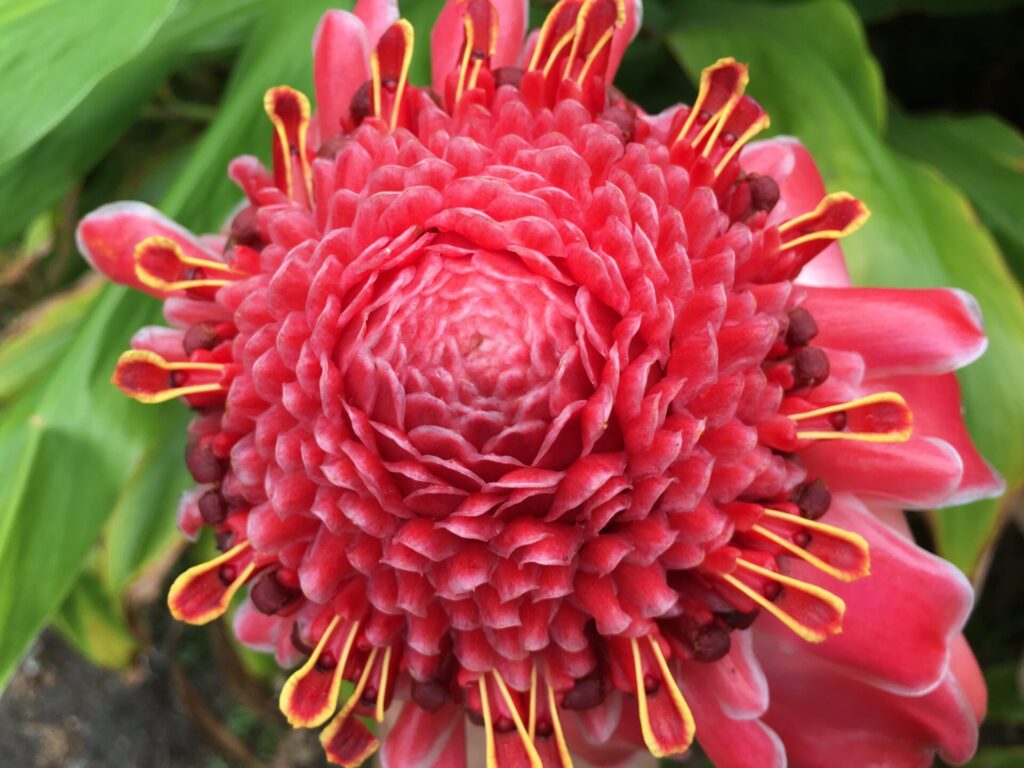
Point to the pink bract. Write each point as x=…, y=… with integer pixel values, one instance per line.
x=517, y=405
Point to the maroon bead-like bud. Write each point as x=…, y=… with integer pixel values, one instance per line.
x=709, y=643
x=361, y=107
x=245, y=229
x=213, y=508
x=738, y=619
x=812, y=498
x=764, y=192
x=431, y=695
x=269, y=595
x=810, y=368
x=507, y=76
x=204, y=464
x=586, y=693
x=802, y=327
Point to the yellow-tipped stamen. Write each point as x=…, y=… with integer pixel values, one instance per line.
x=900, y=435
x=603, y=42
x=491, y=749
x=281, y=132
x=189, y=577
x=703, y=93
x=146, y=357
x=382, y=690
x=403, y=77
x=829, y=201
x=524, y=734
x=532, y=722
x=682, y=708
x=328, y=733
x=809, y=634
x=159, y=242
x=335, y=686
x=581, y=23
x=375, y=81
x=713, y=128
x=556, y=724
x=756, y=127
x=817, y=562
x=545, y=33
x=673, y=689
x=565, y=40
x=467, y=54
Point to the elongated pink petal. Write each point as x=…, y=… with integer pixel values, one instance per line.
x=728, y=742
x=913, y=605
x=513, y=16
x=107, y=238
x=624, y=35
x=921, y=473
x=341, y=63
x=734, y=685
x=446, y=42
x=964, y=668
x=422, y=739
x=900, y=331
x=801, y=188
x=827, y=719
x=936, y=404
x=377, y=16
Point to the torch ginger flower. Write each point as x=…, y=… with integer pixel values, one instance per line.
x=517, y=405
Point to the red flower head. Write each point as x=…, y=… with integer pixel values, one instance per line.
x=516, y=404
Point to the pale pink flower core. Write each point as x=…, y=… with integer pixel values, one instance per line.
x=510, y=405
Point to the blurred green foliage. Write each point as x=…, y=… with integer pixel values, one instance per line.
x=150, y=100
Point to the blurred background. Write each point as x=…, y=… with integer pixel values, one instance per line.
x=915, y=106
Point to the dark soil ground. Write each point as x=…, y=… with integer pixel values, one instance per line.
x=60, y=711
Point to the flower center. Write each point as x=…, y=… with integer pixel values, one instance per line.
x=460, y=351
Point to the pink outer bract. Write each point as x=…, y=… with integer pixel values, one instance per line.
x=523, y=410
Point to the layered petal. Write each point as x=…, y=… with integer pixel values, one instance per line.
x=938, y=412
x=900, y=331
x=801, y=188
x=913, y=605
x=826, y=718
x=108, y=236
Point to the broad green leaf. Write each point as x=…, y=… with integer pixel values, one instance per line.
x=1005, y=696
x=811, y=69
x=35, y=343
x=998, y=757
x=143, y=525
x=68, y=450
x=982, y=155
x=421, y=14
x=56, y=51
x=33, y=181
x=91, y=620
x=279, y=53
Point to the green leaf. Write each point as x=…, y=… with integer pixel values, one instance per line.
x=981, y=154
x=811, y=69
x=33, y=181
x=1005, y=696
x=69, y=449
x=56, y=51
x=277, y=54
x=36, y=342
x=91, y=620
x=998, y=757
x=142, y=528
